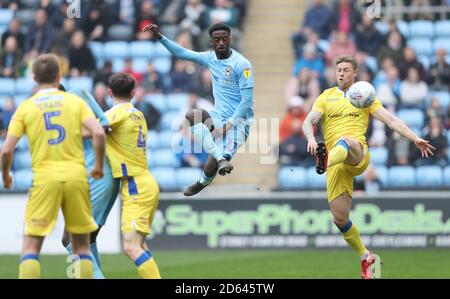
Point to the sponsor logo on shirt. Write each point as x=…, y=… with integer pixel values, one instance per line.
x=247, y=72
x=228, y=71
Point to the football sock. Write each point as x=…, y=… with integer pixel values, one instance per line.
x=201, y=133
x=30, y=267
x=147, y=267
x=338, y=154
x=206, y=180
x=352, y=237
x=97, y=272
x=85, y=266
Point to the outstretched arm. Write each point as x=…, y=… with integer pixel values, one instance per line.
x=174, y=48
x=401, y=128
x=312, y=119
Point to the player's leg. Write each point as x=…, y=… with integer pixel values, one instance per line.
x=347, y=150
x=83, y=261
x=209, y=173
x=142, y=258
x=30, y=267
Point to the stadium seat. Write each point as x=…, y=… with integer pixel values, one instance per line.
x=3, y=100
x=120, y=32
x=150, y=161
x=177, y=101
x=292, y=178
x=118, y=65
x=152, y=140
x=314, y=180
x=403, y=28
x=22, y=160
x=171, y=120
x=116, y=49
x=23, y=179
x=25, y=85
x=412, y=117
x=447, y=176
x=29, y=4
x=378, y=155
x=425, y=60
x=3, y=28
x=443, y=97
x=162, y=64
x=85, y=83
x=442, y=28
x=442, y=42
x=382, y=174
x=166, y=139
x=421, y=28
x=25, y=16
x=166, y=178
x=429, y=176
x=161, y=51
x=382, y=27
x=165, y=157
x=158, y=100
x=98, y=50
x=6, y=16
x=23, y=144
x=401, y=177
x=7, y=86
x=187, y=175
x=324, y=45
x=19, y=98
x=371, y=62
x=142, y=49
x=140, y=65
x=422, y=46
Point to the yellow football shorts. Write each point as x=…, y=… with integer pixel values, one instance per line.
x=140, y=196
x=43, y=204
x=340, y=177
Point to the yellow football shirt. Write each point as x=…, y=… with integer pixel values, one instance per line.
x=340, y=118
x=52, y=120
x=126, y=144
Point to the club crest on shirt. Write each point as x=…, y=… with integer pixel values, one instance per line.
x=228, y=71
x=247, y=72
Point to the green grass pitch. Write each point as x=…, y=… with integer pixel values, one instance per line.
x=397, y=263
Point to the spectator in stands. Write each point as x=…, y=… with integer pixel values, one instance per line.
x=10, y=59
x=190, y=154
x=63, y=37
x=292, y=122
x=151, y=114
x=128, y=69
x=372, y=183
x=341, y=45
x=439, y=73
x=329, y=79
x=180, y=76
x=101, y=96
x=392, y=49
x=95, y=25
x=378, y=134
x=223, y=11
x=191, y=18
x=145, y=16
x=60, y=14
x=436, y=135
x=168, y=13
x=309, y=60
x=447, y=118
x=153, y=81
x=393, y=28
x=196, y=102
x=305, y=85
x=345, y=16
x=365, y=72
x=50, y=9
x=7, y=112
x=367, y=38
x=399, y=150
x=202, y=84
x=40, y=34
x=419, y=13
x=319, y=18
x=306, y=36
x=14, y=30
x=410, y=61
x=435, y=110
x=102, y=75
x=81, y=60
x=10, y=4
x=388, y=91
x=125, y=11
x=413, y=91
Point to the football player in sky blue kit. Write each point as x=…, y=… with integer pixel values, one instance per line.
x=103, y=191
x=232, y=81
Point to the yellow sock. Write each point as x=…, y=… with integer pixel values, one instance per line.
x=352, y=237
x=149, y=270
x=83, y=267
x=338, y=154
x=30, y=267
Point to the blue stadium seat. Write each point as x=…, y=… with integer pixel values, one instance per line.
x=150, y=161
x=378, y=155
x=447, y=176
x=315, y=181
x=443, y=96
x=118, y=65
x=6, y=16
x=425, y=60
x=142, y=49
x=23, y=144
x=403, y=28
x=116, y=49
x=166, y=139
x=442, y=28
x=19, y=98
x=152, y=140
x=7, y=86
x=324, y=45
x=383, y=27
x=165, y=157
x=3, y=100
x=412, y=117
x=160, y=50
x=23, y=179
x=166, y=178
x=22, y=159
x=429, y=176
x=371, y=62
x=97, y=49
x=86, y=83
x=422, y=46
x=442, y=42
x=158, y=100
x=177, y=101
x=140, y=65
x=382, y=174
x=292, y=177
x=421, y=28
x=401, y=176
x=162, y=64
x=25, y=85
x=187, y=175
x=171, y=120
x=3, y=28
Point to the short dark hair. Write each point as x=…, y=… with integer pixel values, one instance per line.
x=349, y=59
x=46, y=68
x=122, y=85
x=217, y=27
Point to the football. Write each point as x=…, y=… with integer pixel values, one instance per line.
x=361, y=94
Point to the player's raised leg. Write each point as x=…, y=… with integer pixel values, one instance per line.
x=209, y=173
x=346, y=150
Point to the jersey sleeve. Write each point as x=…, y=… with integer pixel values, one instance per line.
x=375, y=105
x=320, y=104
x=245, y=75
x=115, y=116
x=86, y=112
x=183, y=53
x=17, y=123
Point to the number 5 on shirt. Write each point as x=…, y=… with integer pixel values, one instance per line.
x=50, y=127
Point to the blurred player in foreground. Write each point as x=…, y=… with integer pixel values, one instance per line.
x=126, y=146
x=53, y=121
x=233, y=100
x=345, y=155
